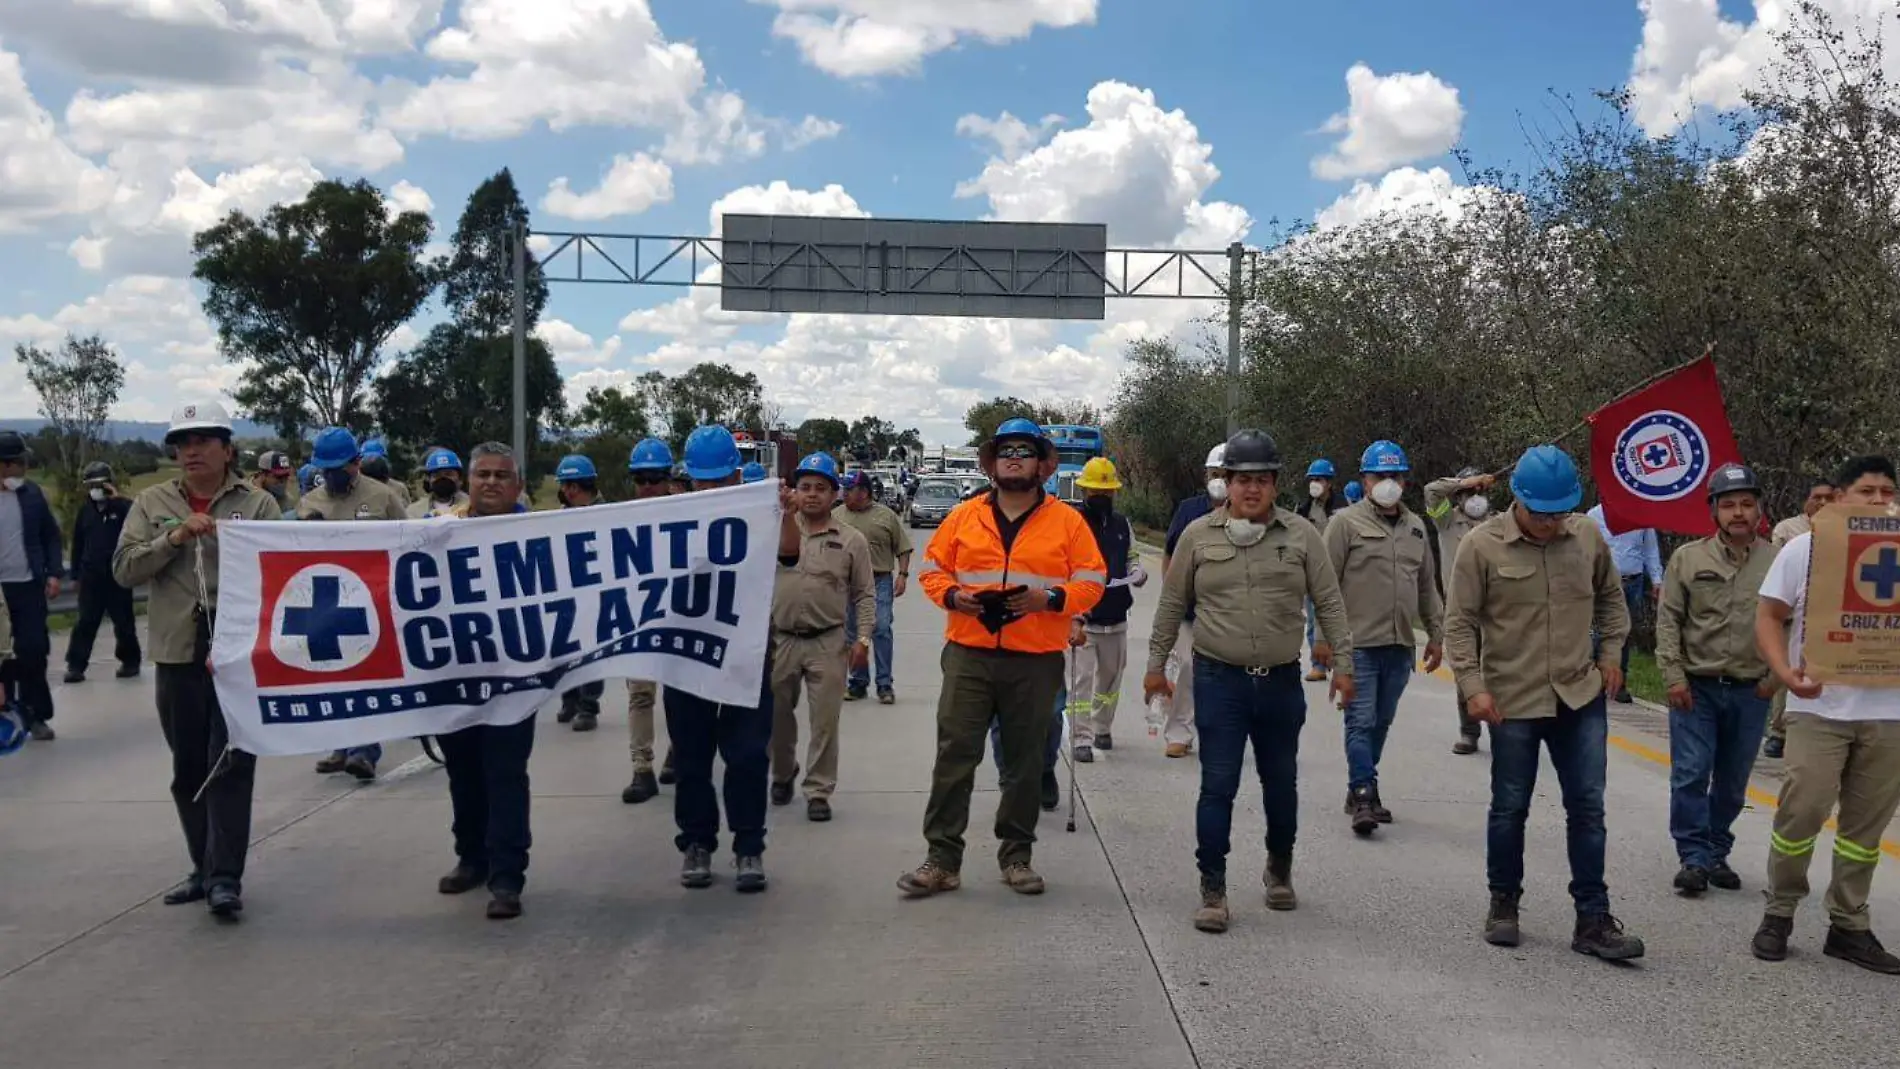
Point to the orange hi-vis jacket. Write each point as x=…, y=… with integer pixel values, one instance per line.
x=1054, y=550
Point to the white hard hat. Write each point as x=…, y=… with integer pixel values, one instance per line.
x=1217, y=456
x=202, y=416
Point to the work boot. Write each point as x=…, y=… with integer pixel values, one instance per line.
x=568, y=712
x=929, y=879
x=1051, y=791
x=1771, y=939
x=1692, y=879
x=1177, y=749
x=75, y=675
x=1104, y=742
x=504, y=905
x=461, y=879
x=668, y=777
x=1379, y=812
x=332, y=763
x=696, y=868
x=224, y=902
x=1466, y=745
x=1279, y=881
x=586, y=721
x=642, y=788
x=1720, y=875
x=751, y=874
x=1860, y=948
x=1022, y=879
x=1085, y=753
x=1602, y=936
x=1363, y=822
x=192, y=890
x=129, y=670
x=1623, y=697
x=1316, y=675
x=1212, y=916
x=886, y=696
x=818, y=810
x=855, y=693
x=1500, y=924
x=782, y=789
x=360, y=766
x=43, y=732
x=1774, y=747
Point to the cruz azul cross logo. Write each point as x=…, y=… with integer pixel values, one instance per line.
x=1661, y=456
x=1873, y=574
x=322, y=621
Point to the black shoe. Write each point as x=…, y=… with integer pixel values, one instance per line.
x=1774, y=747
x=192, y=890
x=461, y=880
x=1466, y=744
x=1051, y=791
x=41, y=731
x=1862, y=949
x=1104, y=742
x=1692, y=879
x=361, y=767
x=75, y=675
x=504, y=905
x=1771, y=939
x=224, y=902
x=1602, y=936
x=1379, y=812
x=818, y=810
x=668, y=776
x=1085, y=753
x=330, y=763
x=1363, y=822
x=886, y=697
x=642, y=788
x=586, y=722
x=1623, y=697
x=1500, y=924
x=127, y=671
x=855, y=694
x=1720, y=875
x=696, y=868
x=751, y=876
x=782, y=791
x=566, y=715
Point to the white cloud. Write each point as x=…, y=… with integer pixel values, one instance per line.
x=631, y=186
x=1403, y=191
x=41, y=176
x=720, y=128
x=571, y=345
x=1011, y=136
x=810, y=130
x=148, y=227
x=1391, y=119
x=406, y=196
x=865, y=38
x=1140, y=169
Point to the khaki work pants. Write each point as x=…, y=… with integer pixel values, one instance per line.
x=1018, y=690
x=1180, y=722
x=1858, y=763
x=817, y=664
x=1095, y=684
x=1778, y=716
x=641, y=694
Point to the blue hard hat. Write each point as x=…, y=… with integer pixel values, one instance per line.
x=650, y=454
x=12, y=729
x=1019, y=427
x=574, y=467
x=335, y=447
x=1354, y=492
x=1384, y=458
x=1545, y=480
x=307, y=477
x=1320, y=469
x=375, y=448
x=442, y=460
x=753, y=472
x=818, y=464
x=711, y=454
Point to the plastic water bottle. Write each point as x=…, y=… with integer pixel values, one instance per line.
x=1157, y=715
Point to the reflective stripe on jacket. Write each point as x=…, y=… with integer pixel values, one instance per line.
x=1054, y=550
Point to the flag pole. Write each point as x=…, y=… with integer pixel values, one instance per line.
x=1708, y=352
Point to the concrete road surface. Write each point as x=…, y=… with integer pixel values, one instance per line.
x=348, y=957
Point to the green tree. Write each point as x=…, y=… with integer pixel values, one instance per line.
x=1074, y=411
x=78, y=384
x=984, y=417
x=612, y=412
x=870, y=439
x=824, y=434
x=478, y=276
x=705, y=394
x=306, y=297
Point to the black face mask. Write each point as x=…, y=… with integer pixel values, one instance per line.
x=443, y=489
x=1098, y=505
x=338, y=480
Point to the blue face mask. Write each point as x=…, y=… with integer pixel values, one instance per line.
x=337, y=481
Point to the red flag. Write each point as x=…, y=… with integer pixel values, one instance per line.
x=1651, y=452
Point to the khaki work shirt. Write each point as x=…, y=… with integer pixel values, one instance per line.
x=832, y=576
x=427, y=507
x=1520, y=616
x=367, y=500
x=1385, y=576
x=146, y=555
x=399, y=488
x=1452, y=523
x=1792, y=528
x=1706, y=626
x=1249, y=602
x=882, y=530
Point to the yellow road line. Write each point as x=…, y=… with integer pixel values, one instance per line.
x=1755, y=794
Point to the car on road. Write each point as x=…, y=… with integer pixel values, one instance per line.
x=935, y=498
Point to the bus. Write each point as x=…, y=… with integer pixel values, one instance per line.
x=1075, y=446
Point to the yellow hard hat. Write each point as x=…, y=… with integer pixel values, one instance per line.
x=1099, y=474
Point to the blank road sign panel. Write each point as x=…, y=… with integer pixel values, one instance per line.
x=786, y=263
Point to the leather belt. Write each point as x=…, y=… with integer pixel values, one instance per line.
x=808, y=632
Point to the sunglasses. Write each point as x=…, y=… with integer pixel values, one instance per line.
x=1017, y=451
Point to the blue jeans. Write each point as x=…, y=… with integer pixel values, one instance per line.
x=1380, y=674
x=1634, y=589
x=881, y=643
x=1578, y=741
x=1711, y=752
x=1051, y=753
x=742, y=738
x=1231, y=707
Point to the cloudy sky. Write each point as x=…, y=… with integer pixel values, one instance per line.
x=126, y=125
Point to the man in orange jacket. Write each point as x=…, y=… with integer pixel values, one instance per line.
x=1012, y=567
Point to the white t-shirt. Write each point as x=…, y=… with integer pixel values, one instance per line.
x=1787, y=582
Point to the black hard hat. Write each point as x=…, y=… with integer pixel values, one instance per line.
x=12, y=446
x=97, y=472
x=1733, y=479
x=1252, y=451
x=1468, y=473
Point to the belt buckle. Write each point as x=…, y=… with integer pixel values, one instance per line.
x=1255, y=670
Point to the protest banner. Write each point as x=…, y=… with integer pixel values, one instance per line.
x=1851, y=624
x=331, y=635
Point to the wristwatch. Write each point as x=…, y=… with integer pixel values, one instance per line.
x=1050, y=595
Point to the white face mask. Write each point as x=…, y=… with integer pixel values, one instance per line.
x=1386, y=493
x=1477, y=507
x=1244, y=533
x=1316, y=490
x=96, y=493
x=13, y=482
x=1217, y=488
